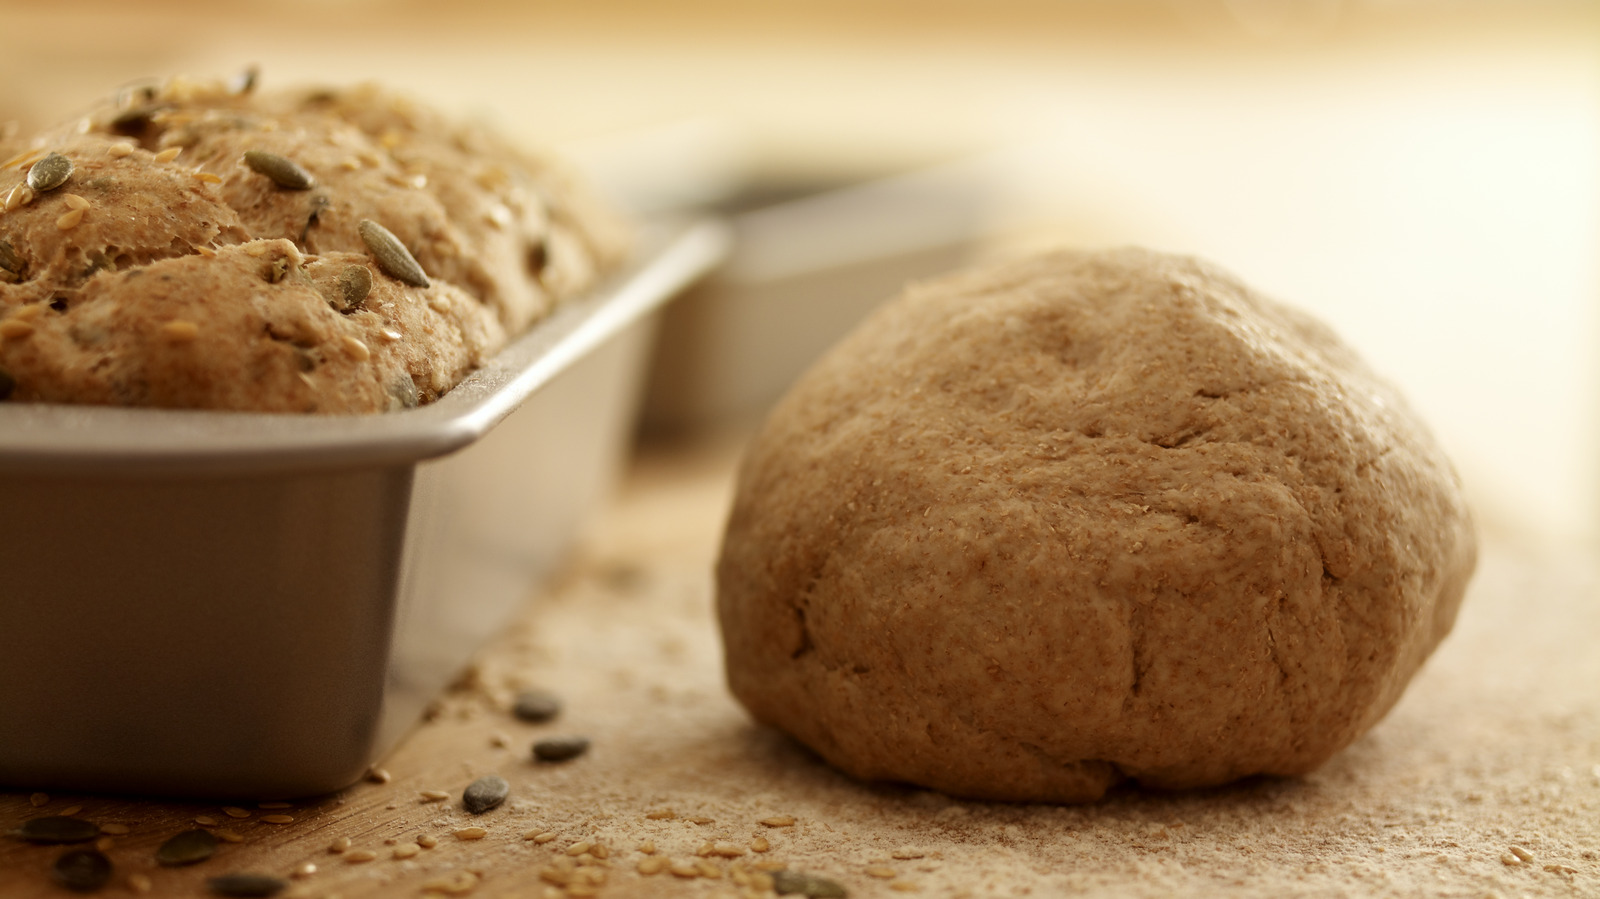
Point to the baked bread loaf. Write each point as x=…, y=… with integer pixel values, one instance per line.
x=1046, y=526
x=205, y=245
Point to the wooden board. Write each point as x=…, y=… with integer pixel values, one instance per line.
x=1495, y=751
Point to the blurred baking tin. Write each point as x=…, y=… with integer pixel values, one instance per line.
x=226, y=604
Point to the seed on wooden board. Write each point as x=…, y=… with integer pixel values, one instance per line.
x=235, y=812
x=202, y=820
x=228, y=836
x=277, y=819
x=778, y=821
x=285, y=173
x=809, y=885
x=57, y=829
x=168, y=154
x=82, y=870
x=187, y=848
x=471, y=833
x=433, y=795
x=74, y=201
x=339, y=845
x=50, y=172
x=536, y=706
x=114, y=829
x=392, y=255
x=427, y=841
x=247, y=886
x=69, y=219
x=485, y=793
x=359, y=856
x=406, y=850
x=560, y=749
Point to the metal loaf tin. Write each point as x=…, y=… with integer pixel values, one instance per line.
x=245, y=605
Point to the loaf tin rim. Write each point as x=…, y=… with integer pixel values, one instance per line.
x=45, y=438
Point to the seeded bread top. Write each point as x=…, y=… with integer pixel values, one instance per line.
x=329, y=251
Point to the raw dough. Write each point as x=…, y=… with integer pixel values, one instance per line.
x=1038, y=528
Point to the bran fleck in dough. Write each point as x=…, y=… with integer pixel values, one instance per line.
x=1042, y=527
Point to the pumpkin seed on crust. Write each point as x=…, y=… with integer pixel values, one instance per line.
x=50, y=172
x=286, y=173
x=393, y=258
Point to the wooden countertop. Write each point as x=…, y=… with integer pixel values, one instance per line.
x=1484, y=781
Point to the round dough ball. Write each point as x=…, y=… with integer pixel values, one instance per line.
x=1042, y=527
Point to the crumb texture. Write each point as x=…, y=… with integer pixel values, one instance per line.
x=204, y=251
x=1039, y=528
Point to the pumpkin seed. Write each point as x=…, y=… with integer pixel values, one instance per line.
x=9, y=260
x=355, y=282
x=50, y=172
x=249, y=885
x=82, y=870
x=187, y=848
x=285, y=173
x=809, y=885
x=57, y=829
x=560, y=749
x=485, y=793
x=392, y=255
x=403, y=390
x=536, y=706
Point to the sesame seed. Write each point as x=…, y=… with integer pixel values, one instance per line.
x=471, y=833
x=359, y=856
x=207, y=178
x=377, y=775
x=340, y=845
x=458, y=884
x=390, y=334
x=779, y=821
x=180, y=331
x=648, y=847
x=209, y=254
x=359, y=351
x=278, y=819
x=908, y=852
x=653, y=865
x=544, y=837
x=684, y=870
x=439, y=304
x=304, y=871
x=406, y=850
x=115, y=830
x=228, y=836
x=661, y=814
x=904, y=886
x=205, y=820
x=433, y=795
x=74, y=201
x=881, y=872
x=1522, y=853
x=700, y=820
x=577, y=849
x=70, y=810
x=760, y=844
x=168, y=154
x=14, y=329
x=427, y=841
x=69, y=219
x=235, y=812
x=118, y=151
x=707, y=868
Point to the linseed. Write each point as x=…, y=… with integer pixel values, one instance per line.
x=277, y=819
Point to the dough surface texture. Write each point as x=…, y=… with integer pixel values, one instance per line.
x=1042, y=527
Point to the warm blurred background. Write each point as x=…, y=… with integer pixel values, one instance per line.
x=1425, y=175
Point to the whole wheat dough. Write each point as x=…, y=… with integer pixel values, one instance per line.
x=1039, y=528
